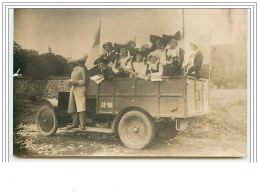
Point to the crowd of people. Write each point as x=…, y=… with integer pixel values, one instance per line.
x=163, y=58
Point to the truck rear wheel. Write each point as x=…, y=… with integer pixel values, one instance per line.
x=136, y=129
x=46, y=121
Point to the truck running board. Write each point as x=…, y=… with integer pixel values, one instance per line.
x=89, y=129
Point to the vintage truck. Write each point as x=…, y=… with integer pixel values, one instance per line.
x=131, y=107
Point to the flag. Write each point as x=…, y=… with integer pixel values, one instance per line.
x=95, y=50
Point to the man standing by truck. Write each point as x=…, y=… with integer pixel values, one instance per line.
x=77, y=98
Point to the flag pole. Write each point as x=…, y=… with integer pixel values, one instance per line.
x=100, y=23
x=183, y=30
x=183, y=33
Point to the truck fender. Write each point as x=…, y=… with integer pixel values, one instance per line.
x=51, y=102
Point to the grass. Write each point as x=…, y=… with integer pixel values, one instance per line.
x=220, y=133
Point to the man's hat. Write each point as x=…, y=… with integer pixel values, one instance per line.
x=107, y=44
x=153, y=39
x=72, y=61
x=78, y=61
x=99, y=60
x=176, y=36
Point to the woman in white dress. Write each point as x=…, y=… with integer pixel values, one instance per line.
x=121, y=66
x=153, y=66
x=138, y=64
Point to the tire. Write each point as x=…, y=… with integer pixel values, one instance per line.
x=166, y=130
x=46, y=121
x=136, y=129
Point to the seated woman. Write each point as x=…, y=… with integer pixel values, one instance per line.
x=131, y=47
x=101, y=68
x=158, y=44
x=195, y=62
x=138, y=64
x=153, y=66
x=121, y=66
x=110, y=54
x=172, y=58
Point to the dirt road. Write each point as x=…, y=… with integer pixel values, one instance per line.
x=222, y=133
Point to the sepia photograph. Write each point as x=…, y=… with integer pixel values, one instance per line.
x=130, y=83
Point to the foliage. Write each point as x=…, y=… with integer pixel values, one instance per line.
x=33, y=65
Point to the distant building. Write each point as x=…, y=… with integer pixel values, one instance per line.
x=228, y=58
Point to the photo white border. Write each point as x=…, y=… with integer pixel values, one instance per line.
x=7, y=79
x=137, y=176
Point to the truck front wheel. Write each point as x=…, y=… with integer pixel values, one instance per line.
x=136, y=129
x=46, y=121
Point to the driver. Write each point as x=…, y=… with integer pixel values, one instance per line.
x=77, y=98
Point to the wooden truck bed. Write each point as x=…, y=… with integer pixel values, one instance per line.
x=179, y=97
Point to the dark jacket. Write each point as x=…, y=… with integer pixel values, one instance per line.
x=195, y=70
x=107, y=72
x=110, y=57
x=175, y=68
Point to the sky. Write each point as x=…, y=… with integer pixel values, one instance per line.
x=70, y=32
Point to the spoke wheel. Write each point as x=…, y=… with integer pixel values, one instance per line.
x=46, y=121
x=136, y=130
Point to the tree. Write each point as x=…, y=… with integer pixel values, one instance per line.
x=19, y=59
x=39, y=66
x=34, y=68
x=49, y=49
